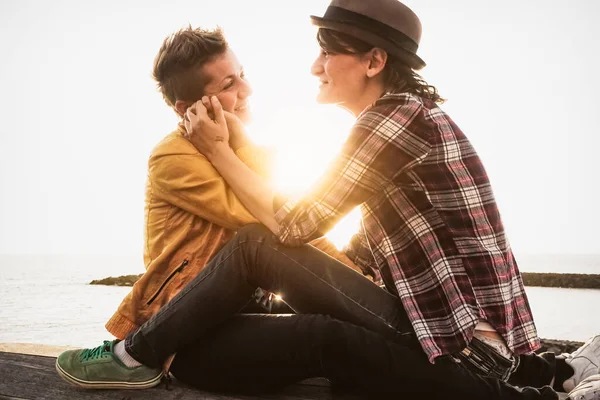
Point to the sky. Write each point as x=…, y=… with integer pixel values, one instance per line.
x=80, y=114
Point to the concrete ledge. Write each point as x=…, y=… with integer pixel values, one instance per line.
x=34, y=349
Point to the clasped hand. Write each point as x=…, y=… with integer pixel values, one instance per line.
x=206, y=125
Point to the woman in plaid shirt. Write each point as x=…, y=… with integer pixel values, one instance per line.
x=431, y=230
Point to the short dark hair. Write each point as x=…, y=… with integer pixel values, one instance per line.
x=397, y=75
x=176, y=66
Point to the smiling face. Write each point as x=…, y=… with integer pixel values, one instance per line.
x=224, y=77
x=342, y=78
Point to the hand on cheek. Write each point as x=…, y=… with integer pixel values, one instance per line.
x=205, y=130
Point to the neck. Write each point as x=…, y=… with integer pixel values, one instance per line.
x=368, y=97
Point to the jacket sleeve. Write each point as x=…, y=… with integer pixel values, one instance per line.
x=190, y=182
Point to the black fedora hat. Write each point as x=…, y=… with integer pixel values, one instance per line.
x=387, y=24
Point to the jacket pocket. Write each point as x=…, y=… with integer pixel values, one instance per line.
x=171, y=275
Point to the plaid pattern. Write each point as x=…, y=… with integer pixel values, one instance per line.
x=431, y=220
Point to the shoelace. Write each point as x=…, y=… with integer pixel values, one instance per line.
x=96, y=352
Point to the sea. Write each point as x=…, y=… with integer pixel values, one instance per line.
x=47, y=299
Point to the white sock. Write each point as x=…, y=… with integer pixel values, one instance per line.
x=124, y=356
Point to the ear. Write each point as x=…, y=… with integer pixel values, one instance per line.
x=377, y=59
x=181, y=107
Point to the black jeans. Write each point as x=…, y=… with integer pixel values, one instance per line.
x=535, y=370
x=253, y=353
x=308, y=280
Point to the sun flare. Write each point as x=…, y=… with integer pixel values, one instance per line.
x=303, y=150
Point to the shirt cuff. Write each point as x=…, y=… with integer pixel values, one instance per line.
x=285, y=220
x=282, y=208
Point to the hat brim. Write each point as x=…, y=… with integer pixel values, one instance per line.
x=411, y=59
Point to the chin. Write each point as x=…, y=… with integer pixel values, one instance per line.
x=323, y=98
x=245, y=116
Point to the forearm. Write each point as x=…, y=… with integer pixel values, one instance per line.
x=247, y=185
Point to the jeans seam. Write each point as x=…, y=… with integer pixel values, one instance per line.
x=340, y=292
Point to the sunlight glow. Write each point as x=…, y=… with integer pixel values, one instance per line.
x=343, y=231
x=304, y=150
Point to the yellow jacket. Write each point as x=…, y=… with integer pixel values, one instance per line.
x=190, y=212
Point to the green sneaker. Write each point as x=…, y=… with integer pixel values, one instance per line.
x=100, y=368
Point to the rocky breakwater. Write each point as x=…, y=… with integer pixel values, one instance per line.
x=573, y=281
x=123, y=280
x=558, y=346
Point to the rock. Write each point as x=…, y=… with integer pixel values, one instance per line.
x=559, y=346
x=575, y=281
x=124, y=280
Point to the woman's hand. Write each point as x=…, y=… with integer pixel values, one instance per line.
x=206, y=126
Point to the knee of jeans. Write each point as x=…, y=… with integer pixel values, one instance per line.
x=330, y=334
x=257, y=232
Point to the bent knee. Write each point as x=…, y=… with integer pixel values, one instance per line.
x=325, y=330
x=255, y=232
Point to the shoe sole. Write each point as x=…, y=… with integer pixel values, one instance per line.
x=104, y=384
x=587, y=381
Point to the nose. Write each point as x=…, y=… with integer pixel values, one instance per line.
x=317, y=66
x=245, y=89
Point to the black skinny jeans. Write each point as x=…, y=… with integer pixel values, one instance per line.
x=311, y=283
x=260, y=353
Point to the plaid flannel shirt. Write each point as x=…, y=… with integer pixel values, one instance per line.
x=430, y=221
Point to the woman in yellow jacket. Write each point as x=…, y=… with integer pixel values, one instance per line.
x=190, y=211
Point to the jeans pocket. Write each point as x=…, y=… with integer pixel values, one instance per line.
x=482, y=359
